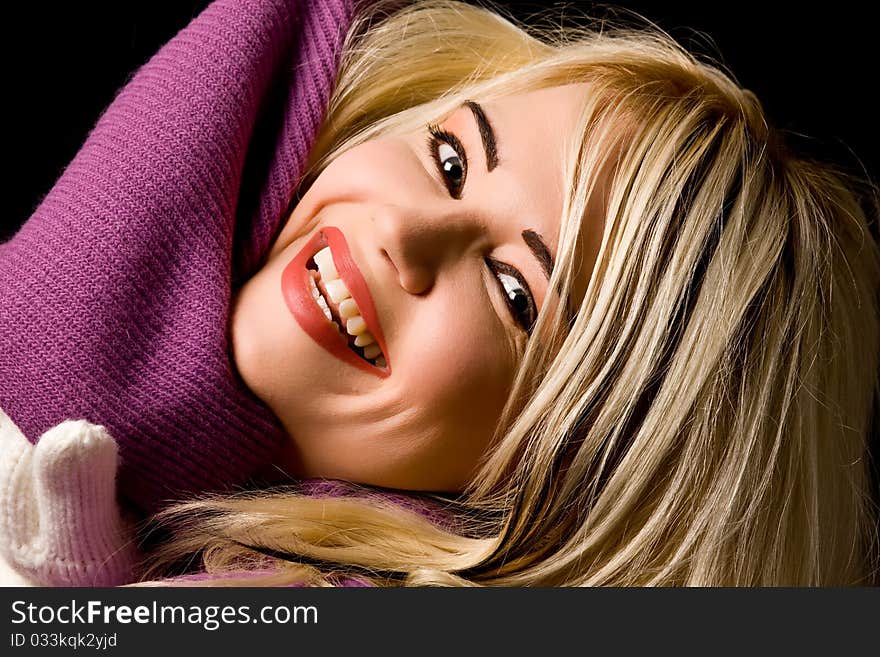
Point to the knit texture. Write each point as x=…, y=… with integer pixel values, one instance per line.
x=115, y=294
x=60, y=523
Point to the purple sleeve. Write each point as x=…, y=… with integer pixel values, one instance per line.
x=114, y=295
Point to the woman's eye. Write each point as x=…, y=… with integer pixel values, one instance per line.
x=450, y=157
x=516, y=294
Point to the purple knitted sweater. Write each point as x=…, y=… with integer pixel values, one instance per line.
x=114, y=295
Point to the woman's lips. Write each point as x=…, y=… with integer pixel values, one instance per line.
x=296, y=289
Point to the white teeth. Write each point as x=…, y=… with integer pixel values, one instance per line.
x=371, y=351
x=325, y=308
x=324, y=260
x=348, y=309
x=356, y=325
x=316, y=293
x=364, y=339
x=336, y=289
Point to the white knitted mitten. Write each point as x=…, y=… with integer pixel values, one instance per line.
x=60, y=522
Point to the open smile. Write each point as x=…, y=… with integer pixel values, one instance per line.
x=300, y=280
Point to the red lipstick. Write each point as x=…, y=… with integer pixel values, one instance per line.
x=296, y=289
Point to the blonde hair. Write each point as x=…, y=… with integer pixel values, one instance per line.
x=700, y=416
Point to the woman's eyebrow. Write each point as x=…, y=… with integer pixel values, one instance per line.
x=536, y=245
x=487, y=134
x=539, y=248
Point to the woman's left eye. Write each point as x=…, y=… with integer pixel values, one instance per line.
x=450, y=157
x=517, y=295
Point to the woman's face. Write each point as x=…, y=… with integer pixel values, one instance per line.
x=447, y=267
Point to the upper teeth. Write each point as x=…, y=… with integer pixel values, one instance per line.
x=335, y=288
x=324, y=260
x=348, y=309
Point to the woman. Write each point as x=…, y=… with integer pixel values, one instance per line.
x=631, y=333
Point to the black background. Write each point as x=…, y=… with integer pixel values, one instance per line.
x=814, y=67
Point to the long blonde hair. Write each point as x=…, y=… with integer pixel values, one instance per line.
x=700, y=415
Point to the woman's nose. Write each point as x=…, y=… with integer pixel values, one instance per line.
x=422, y=243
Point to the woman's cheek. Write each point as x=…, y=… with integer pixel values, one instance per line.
x=460, y=366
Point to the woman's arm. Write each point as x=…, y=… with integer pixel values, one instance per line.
x=116, y=292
